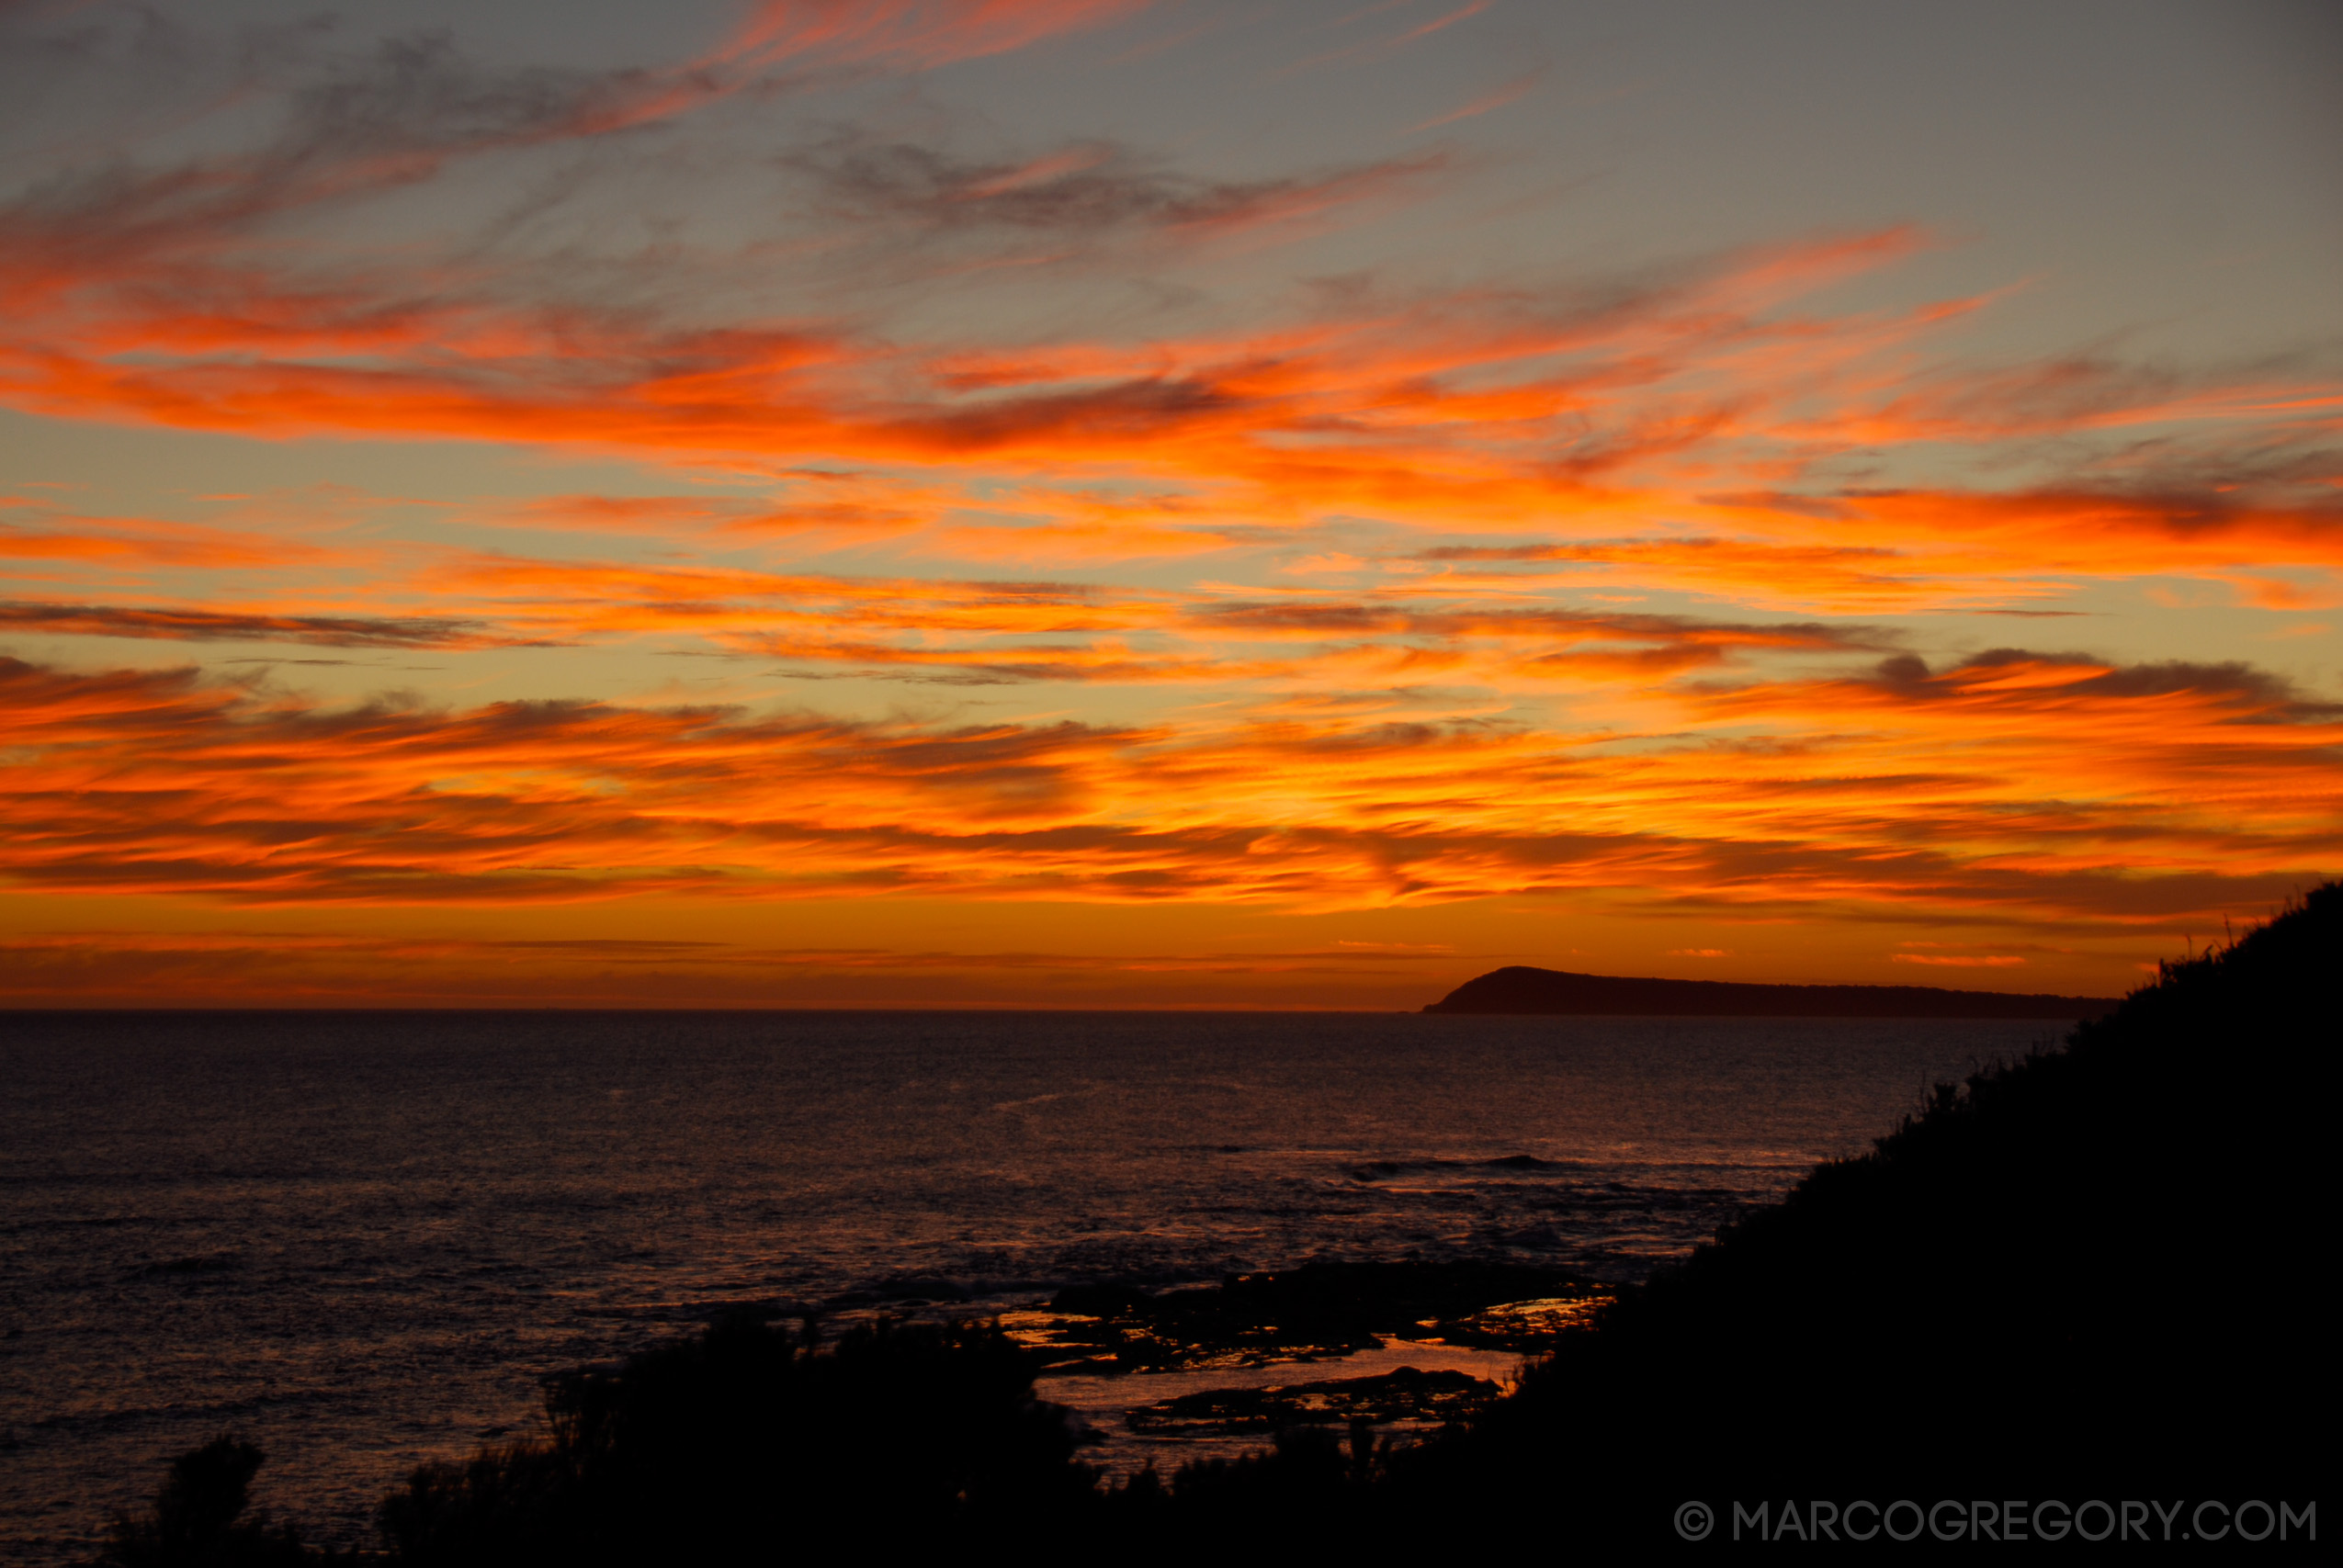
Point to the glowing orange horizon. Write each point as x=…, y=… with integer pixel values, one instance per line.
x=1712, y=596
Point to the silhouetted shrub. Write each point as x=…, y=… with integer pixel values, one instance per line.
x=738, y=1442
x=198, y=1518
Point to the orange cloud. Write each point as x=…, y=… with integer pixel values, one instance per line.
x=1372, y=595
x=914, y=33
x=2156, y=787
x=1492, y=413
x=34, y=533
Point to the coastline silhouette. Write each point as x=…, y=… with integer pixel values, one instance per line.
x=1519, y=988
x=2085, y=1273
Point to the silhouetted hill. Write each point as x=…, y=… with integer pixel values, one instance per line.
x=1521, y=990
x=2093, y=1273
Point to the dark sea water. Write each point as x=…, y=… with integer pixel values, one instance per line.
x=360, y=1239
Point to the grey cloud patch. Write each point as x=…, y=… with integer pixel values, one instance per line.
x=1604, y=551
x=351, y=124
x=1347, y=620
x=2230, y=678
x=1778, y=500
x=1126, y=410
x=1355, y=619
x=1045, y=591
x=353, y=663
x=2224, y=485
x=1087, y=187
x=1910, y=676
x=211, y=625
x=1504, y=552
x=911, y=678
x=417, y=94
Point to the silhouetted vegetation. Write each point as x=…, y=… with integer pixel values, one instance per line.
x=199, y=1519
x=2087, y=1273
x=736, y=1443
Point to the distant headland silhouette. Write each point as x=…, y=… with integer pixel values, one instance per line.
x=1521, y=990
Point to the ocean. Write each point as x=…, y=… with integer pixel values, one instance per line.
x=362, y=1239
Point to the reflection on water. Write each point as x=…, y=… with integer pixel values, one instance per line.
x=361, y=1239
x=1135, y=1420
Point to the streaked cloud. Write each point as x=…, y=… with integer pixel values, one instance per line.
x=827, y=456
x=211, y=625
x=1089, y=189
x=2052, y=778
x=1507, y=92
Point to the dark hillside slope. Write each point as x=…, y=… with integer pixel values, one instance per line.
x=2093, y=1269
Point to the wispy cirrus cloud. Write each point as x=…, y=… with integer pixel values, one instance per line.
x=163, y=296
x=399, y=112
x=916, y=34
x=29, y=532
x=1510, y=91
x=1369, y=50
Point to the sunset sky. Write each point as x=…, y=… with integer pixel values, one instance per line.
x=1086, y=502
